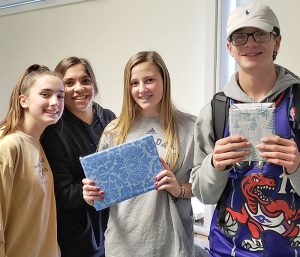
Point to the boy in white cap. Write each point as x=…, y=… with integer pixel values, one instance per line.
x=262, y=203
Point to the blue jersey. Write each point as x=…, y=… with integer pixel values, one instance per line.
x=263, y=210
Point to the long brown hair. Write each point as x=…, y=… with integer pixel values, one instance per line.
x=130, y=110
x=15, y=112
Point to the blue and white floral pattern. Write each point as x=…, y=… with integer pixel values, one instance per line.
x=123, y=171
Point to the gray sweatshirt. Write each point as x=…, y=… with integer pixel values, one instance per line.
x=152, y=224
x=209, y=183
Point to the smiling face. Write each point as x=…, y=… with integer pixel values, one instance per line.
x=254, y=55
x=147, y=88
x=43, y=104
x=79, y=90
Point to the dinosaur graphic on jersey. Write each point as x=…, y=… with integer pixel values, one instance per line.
x=260, y=213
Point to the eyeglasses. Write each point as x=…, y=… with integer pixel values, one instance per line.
x=240, y=38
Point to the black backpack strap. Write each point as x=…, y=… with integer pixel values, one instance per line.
x=296, y=106
x=220, y=109
x=221, y=206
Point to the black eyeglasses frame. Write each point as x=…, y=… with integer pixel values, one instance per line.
x=252, y=34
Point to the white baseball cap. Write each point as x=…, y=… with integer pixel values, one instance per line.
x=256, y=15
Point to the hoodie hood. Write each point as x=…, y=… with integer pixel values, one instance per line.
x=98, y=109
x=284, y=80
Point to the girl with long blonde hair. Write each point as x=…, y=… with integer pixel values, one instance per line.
x=157, y=223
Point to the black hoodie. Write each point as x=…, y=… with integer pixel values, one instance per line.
x=80, y=227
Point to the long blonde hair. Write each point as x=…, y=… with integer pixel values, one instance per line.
x=15, y=112
x=130, y=111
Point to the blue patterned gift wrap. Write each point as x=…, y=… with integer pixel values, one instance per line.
x=123, y=171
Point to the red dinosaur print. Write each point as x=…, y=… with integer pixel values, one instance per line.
x=260, y=213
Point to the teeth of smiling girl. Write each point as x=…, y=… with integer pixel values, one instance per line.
x=52, y=112
x=145, y=97
x=79, y=97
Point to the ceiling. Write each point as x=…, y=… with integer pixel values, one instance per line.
x=15, y=6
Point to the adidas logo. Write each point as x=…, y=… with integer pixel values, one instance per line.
x=151, y=131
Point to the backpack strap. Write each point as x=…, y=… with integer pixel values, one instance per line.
x=296, y=106
x=220, y=109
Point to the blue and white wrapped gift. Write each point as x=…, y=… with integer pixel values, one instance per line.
x=253, y=121
x=123, y=171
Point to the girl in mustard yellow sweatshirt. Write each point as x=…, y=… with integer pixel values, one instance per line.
x=27, y=202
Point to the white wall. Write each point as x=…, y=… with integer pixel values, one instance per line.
x=108, y=32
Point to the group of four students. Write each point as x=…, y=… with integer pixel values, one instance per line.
x=53, y=118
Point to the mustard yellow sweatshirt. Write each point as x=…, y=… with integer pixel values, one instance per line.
x=27, y=201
